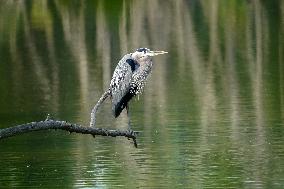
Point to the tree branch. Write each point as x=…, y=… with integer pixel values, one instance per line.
x=63, y=125
x=71, y=127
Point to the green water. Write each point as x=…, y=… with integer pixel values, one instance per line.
x=211, y=116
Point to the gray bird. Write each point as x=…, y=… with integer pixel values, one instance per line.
x=129, y=78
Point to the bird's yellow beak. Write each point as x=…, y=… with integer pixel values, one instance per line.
x=155, y=53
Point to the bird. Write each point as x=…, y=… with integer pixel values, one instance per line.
x=129, y=79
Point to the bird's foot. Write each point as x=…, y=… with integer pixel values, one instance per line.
x=130, y=130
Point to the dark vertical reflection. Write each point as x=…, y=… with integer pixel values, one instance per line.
x=211, y=114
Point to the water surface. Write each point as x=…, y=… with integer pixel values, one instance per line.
x=211, y=116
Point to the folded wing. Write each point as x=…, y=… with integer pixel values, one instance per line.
x=120, y=85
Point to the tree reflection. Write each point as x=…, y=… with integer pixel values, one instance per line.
x=224, y=72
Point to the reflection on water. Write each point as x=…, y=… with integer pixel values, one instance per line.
x=211, y=115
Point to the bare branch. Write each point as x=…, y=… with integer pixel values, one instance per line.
x=63, y=125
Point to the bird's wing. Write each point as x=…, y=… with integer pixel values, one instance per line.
x=120, y=84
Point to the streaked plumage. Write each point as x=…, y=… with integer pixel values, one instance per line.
x=129, y=77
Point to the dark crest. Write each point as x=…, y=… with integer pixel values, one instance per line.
x=142, y=50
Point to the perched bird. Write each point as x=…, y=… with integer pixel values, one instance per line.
x=129, y=78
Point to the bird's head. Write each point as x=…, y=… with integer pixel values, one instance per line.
x=144, y=53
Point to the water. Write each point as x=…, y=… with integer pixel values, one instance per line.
x=211, y=116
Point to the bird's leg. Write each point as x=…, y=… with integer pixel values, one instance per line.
x=128, y=116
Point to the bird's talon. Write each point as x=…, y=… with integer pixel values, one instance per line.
x=130, y=131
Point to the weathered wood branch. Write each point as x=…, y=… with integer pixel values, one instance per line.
x=70, y=127
x=63, y=125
